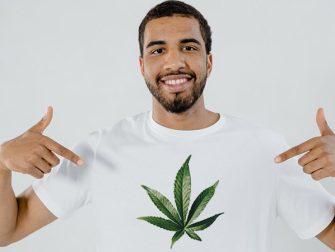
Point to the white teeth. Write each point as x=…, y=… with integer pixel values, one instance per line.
x=176, y=82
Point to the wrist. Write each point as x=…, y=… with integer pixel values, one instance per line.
x=2, y=165
x=5, y=174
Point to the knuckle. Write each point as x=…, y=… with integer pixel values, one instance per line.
x=55, y=162
x=46, y=166
x=31, y=159
x=22, y=169
x=318, y=151
x=47, y=170
x=323, y=140
x=39, y=175
x=33, y=173
x=29, y=170
x=301, y=161
x=39, y=137
x=327, y=159
x=306, y=170
x=296, y=149
x=315, y=176
x=38, y=149
x=52, y=164
x=315, y=139
x=31, y=135
x=35, y=159
x=323, y=148
x=62, y=151
x=42, y=138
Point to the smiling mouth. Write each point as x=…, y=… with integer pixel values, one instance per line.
x=176, y=81
x=177, y=85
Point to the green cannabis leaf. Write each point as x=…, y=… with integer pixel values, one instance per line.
x=180, y=220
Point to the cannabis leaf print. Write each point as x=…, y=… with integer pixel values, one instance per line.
x=181, y=220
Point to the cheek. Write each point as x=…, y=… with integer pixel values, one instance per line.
x=201, y=69
x=149, y=74
x=199, y=65
x=151, y=70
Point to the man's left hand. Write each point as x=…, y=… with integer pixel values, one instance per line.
x=319, y=161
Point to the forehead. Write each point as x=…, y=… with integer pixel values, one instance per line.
x=175, y=27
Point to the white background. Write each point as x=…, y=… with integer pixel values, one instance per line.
x=274, y=63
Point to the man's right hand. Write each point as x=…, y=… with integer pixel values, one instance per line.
x=33, y=153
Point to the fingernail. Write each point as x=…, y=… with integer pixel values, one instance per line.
x=277, y=159
x=80, y=162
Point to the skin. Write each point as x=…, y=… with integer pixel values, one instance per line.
x=171, y=57
x=319, y=162
x=30, y=153
x=35, y=154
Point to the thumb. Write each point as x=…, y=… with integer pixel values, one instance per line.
x=44, y=122
x=322, y=123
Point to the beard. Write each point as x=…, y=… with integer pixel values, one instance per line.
x=180, y=103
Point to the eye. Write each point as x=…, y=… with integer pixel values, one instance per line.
x=158, y=51
x=189, y=48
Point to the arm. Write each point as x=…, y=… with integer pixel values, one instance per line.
x=19, y=216
x=34, y=154
x=319, y=162
x=327, y=236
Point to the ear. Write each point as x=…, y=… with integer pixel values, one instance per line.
x=141, y=64
x=209, y=63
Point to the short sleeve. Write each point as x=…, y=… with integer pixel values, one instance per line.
x=302, y=202
x=67, y=187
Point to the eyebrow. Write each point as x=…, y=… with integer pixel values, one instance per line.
x=156, y=42
x=183, y=41
x=189, y=40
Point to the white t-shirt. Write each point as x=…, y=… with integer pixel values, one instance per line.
x=137, y=157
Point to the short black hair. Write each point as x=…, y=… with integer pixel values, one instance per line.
x=170, y=8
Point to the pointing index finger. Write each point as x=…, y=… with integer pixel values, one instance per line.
x=62, y=151
x=297, y=150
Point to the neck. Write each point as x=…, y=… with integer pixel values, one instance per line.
x=196, y=117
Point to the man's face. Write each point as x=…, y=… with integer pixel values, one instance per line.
x=175, y=65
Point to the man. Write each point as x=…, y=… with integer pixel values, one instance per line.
x=237, y=189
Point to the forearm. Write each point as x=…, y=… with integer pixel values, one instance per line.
x=8, y=206
x=330, y=239
x=327, y=236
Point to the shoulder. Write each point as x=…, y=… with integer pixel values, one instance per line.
x=126, y=128
x=254, y=131
x=126, y=124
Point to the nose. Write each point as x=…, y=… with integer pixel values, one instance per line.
x=174, y=60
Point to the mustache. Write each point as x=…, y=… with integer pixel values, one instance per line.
x=190, y=73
